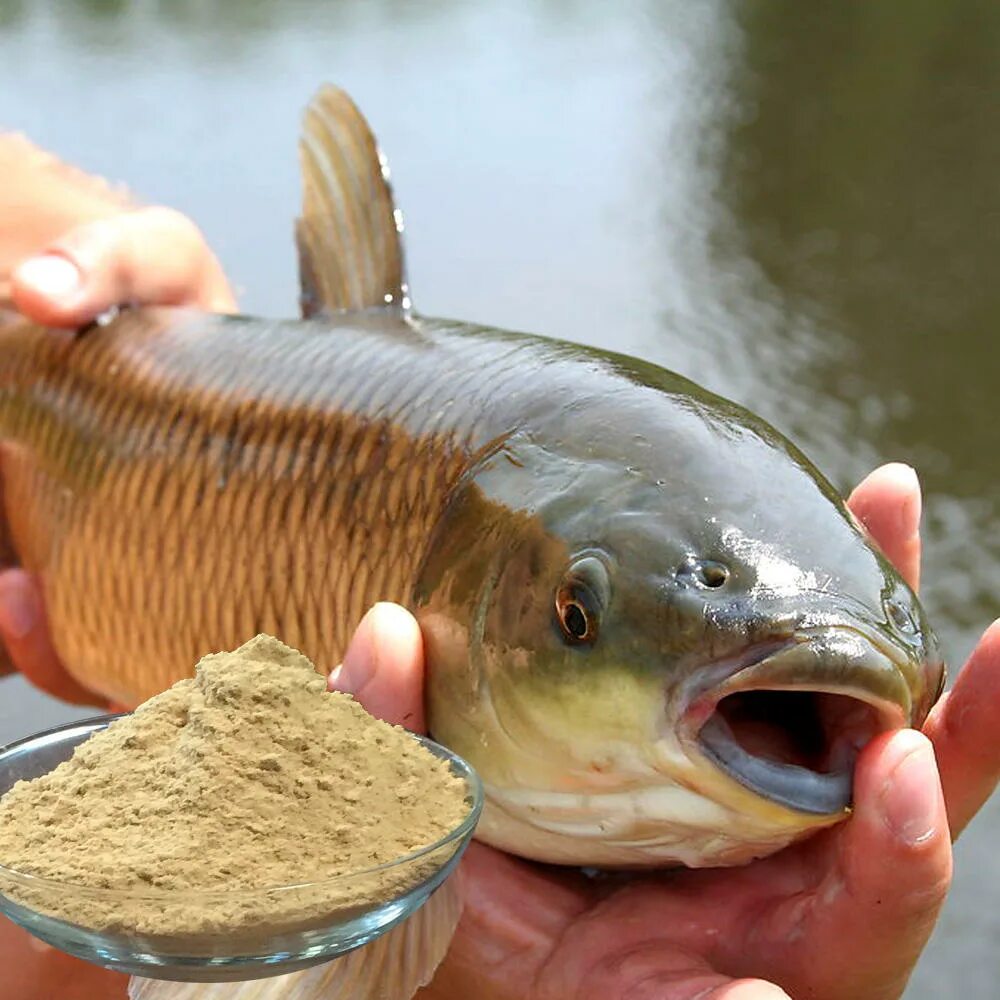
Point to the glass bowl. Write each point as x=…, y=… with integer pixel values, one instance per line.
x=229, y=939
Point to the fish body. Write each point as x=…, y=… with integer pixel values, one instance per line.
x=649, y=622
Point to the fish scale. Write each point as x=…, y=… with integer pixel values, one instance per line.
x=143, y=510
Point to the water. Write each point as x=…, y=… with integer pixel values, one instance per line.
x=794, y=204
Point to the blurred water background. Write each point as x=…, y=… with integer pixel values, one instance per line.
x=797, y=205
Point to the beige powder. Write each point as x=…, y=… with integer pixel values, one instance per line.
x=249, y=776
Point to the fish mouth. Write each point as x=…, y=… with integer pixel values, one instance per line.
x=790, y=720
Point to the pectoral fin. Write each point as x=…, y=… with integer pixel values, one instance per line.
x=350, y=233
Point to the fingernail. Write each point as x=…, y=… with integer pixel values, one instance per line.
x=18, y=612
x=911, y=796
x=50, y=275
x=360, y=660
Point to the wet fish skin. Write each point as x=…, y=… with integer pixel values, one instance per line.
x=179, y=481
x=649, y=623
x=646, y=473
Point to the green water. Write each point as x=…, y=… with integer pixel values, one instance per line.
x=796, y=204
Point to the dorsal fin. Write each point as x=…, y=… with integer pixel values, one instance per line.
x=350, y=233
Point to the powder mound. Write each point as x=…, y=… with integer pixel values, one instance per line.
x=250, y=775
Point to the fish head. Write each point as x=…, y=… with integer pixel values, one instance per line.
x=662, y=654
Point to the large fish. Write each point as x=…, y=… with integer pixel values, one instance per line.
x=650, y=623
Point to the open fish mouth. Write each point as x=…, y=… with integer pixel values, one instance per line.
x=790, y=720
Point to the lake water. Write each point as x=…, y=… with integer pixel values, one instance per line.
x=795, y=204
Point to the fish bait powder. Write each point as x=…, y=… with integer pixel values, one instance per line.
x=182, y=817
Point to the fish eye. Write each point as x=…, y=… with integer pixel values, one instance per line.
x=577, y=622
x=580, y=601
x=706, y=573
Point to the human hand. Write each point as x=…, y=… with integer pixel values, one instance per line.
x=843, y=915
x=147, y=256
x=71, y=247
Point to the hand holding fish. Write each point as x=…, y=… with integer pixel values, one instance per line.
x=142, y=256
x=73, y=246
x=842, y=916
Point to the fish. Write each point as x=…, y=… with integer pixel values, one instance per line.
x=649, y=622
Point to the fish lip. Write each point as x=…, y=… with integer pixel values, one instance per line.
x=769, y=667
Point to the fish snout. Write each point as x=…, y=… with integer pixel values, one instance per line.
x=790, y=717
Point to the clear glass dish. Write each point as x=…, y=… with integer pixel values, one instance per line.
x=310, y=922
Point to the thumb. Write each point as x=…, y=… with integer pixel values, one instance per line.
x=888, y=503
x=890, y=872
x=150, y=256
x=384, y=667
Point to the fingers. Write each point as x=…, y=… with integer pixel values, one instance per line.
x=515, y=915
x=537, y=932
x=963, y=725
x=640, y=976
x=895, y=866
x=889, y=872
x=41, y=198
x=963, y=728
x=600, y=959
x=888, y=504
x=744, y=989
x=150, y=256
x=384, y=667
x=25, y=633
x=652, y=973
